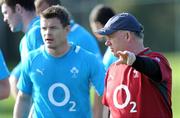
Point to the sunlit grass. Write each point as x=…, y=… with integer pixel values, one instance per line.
x=6, y=108
x=174, y=59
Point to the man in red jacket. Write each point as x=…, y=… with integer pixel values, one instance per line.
x=139, y=84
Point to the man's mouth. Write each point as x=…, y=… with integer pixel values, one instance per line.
x=48, y=40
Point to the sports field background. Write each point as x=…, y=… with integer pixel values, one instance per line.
x=6, y=106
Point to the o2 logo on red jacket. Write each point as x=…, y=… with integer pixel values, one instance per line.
x=127, y=100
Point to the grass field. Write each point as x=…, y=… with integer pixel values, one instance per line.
x=175, y=64
x=6, y=106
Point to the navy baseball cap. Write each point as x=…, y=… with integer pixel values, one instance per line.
x=122, y=21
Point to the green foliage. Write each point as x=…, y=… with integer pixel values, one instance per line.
x=6, y=106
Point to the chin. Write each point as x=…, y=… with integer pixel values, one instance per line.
x=12, y=30
x=50, y=46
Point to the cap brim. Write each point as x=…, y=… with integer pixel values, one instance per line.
x=104, y=31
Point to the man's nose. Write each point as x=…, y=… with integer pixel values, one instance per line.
x=5, y=19
x=48, y=31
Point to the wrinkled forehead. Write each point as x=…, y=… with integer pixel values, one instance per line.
x=118, y=33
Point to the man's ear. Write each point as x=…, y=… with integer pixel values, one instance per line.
x=128, y=35
x=18, y=8
x=67, y=28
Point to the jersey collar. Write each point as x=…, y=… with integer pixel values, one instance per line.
x=145, y=51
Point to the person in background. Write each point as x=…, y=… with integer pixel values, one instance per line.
x=139, y=84
x=20, y=15
x=59, y=85
x=98, y=17
x=79, y=36
x=4, y=82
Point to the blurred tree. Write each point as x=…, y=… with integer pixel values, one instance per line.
x=177, y=24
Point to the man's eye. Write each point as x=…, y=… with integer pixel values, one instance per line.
x=43, y=28
x=53, y=28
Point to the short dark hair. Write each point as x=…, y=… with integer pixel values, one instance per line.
x=59, y=12
x=50, y=2
x=53, y=2
x=26, y=4
x=101, y=13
